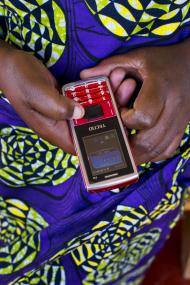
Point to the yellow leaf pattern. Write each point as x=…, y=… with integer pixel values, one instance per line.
x=24, y=21
x=136, y=4
x=169, y=15
x=113, y=25
x=166, y=29
x=141, y=17
x=124, y=12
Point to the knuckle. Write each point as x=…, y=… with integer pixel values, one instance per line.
x=67, y=109
x=146, y=119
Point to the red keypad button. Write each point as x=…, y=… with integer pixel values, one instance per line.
x=100, y=95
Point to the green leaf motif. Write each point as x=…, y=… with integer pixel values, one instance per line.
x=20, y=232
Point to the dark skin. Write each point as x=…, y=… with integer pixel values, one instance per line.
x=160, y=112
x=36, y=96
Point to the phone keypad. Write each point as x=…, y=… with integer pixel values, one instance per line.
x=92, y=93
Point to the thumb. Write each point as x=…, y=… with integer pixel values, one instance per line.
x=50, y=103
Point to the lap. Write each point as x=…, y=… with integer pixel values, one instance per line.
x=54, y=232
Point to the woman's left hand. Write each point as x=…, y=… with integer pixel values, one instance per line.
x=161, y=110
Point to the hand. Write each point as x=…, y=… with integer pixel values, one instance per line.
x=35, y=95
x=161, y=110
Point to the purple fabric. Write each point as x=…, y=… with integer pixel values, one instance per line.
x=147, y=209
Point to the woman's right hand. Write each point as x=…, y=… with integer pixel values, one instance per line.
x=35, y=95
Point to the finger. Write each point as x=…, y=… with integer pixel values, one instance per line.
x=104, y=68
x=131, y=62
x=100, y=70
x=152, y=143
x=116, y=77
x=125, y=91
x=52, y=104
x=147, y=107
x=170, y=150
x=55, y=132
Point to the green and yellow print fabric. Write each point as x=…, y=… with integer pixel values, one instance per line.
x=20, y=227
x=37, y=26
x=27, y=159
x=127, y=18
x=116, y=244
x=40, y=27
x=51, y=273
x=106, y=252
x=113, y=247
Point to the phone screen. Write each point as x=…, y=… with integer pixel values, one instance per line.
x=104, y=152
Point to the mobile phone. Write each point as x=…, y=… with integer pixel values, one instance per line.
x=99, y=137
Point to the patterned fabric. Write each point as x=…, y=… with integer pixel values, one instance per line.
x=31, y=26
x=145, y=18
x=20, y=227
x=51, y=230
x=42, y=275
x=37, y=162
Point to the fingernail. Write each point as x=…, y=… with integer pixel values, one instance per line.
x=78, y=112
